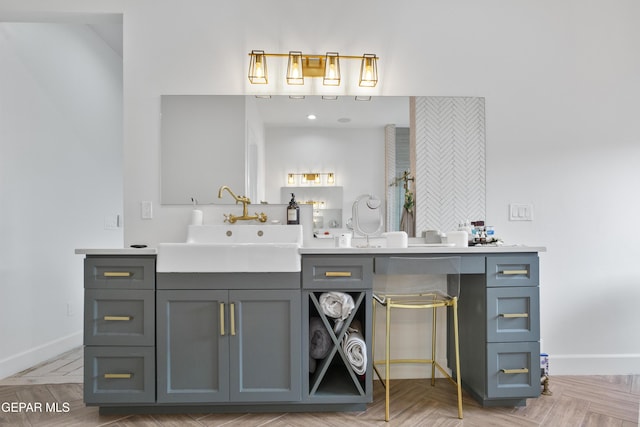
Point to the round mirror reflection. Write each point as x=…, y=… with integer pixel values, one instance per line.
x=367, y=216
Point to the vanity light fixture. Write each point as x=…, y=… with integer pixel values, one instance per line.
x=303, y=65
x=369, y=70
x=295, y=74
x=311, y=178
x=258, y=68
x=332, y=69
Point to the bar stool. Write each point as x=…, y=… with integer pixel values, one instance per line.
x=417, y=283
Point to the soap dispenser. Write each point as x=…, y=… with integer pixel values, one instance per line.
x=293, y=211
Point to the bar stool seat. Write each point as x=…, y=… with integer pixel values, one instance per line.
x=417, y=283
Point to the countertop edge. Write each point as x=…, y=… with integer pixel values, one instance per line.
x=320, y=250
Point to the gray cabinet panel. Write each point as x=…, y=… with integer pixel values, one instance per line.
x=513, y=370
x=120, y=272
x=193, y=353
x=512, y=270
x=332, y=272
x=119, y=375
x=266, y=348
x=119, y=317
x=513, y=314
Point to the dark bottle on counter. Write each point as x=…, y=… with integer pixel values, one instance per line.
x=293, y=211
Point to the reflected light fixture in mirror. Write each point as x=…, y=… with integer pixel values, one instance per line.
x=308, y=178
x=303, y=65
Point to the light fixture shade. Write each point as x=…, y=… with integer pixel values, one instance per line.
x=332, y=69
x=258, y=68
x=369, y=70
x=295, y=74
x=331, y=178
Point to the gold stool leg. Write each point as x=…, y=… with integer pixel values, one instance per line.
x=457, y=345
x=387, y=363
x=433, y=347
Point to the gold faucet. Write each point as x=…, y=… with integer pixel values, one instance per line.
x=262, y=217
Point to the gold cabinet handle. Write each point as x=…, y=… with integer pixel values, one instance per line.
x=337, y=274
x=514, y=272
x=118, y=318
x=222, y=318
x=515, y=371
x=513, y=315
x=117, y=274
x=118, y=376
x=232, y=314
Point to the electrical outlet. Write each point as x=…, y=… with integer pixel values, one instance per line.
x=70, y=311
x=146, y=210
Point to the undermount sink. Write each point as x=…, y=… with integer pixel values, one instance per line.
x=233, y=248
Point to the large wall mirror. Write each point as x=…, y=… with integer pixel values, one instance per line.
x=255, y=144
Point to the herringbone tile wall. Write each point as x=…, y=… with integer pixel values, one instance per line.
x=450, y=161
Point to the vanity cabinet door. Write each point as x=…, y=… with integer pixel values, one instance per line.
x=193, y=346
x=265, y=340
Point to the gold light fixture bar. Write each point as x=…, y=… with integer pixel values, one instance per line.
x=305, y=65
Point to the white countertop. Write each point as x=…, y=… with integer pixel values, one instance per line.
x=332, y=250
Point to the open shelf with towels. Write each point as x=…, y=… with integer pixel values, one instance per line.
x=336, y=378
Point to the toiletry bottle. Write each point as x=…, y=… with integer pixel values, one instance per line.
x=293, y=211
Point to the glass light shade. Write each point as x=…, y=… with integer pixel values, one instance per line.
x=295, y=74
x=332, y=69
x=369, y=70
x=291, y=179
x=258, y=68
x=331, y=179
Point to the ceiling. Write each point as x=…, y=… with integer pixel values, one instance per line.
x=345, y=112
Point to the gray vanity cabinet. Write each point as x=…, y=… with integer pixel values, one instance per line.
x=119, y=330
x=228, y=345
x=500, y=313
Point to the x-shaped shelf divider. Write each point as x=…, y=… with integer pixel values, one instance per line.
x=337, y=346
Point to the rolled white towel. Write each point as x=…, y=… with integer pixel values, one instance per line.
x=355, y=348
x=337, y=305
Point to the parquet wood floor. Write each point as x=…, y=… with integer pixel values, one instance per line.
x=598, y=401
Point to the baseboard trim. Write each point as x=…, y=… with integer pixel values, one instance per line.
x=26, y=359
x=594, y=364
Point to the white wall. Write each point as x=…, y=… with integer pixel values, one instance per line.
x=60, y=176
x=561, y=81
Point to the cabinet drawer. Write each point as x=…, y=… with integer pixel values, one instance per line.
x=116, y=272
x=513, y=370
x=513, y=314
x=512, y=270
x=337, y=272
x=119, y=375
x=119, y=317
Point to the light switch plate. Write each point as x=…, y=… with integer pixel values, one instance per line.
x=146, y=210
x=520, y=212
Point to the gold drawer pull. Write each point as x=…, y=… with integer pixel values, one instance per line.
x=232, y=314
x=118, y=318
x=337, y=274
x=515, y=371
x=221, y=318
x=513, y=315
x=117, y=274
x=118, y=376
x=514, y=272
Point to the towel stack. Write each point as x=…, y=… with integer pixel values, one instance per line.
x=337, y=306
